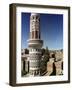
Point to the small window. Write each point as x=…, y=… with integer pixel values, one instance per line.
x=33, y=17
x=22, y=53
x=37, y=17
x=36, y=54
x=36, y=49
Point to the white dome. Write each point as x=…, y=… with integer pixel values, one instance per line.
x=32, y=14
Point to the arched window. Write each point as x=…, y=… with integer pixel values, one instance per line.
x=36, y=34
x=32, y=34
x=32, y=17
x=37, y=17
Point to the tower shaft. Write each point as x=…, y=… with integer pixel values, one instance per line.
x=34, y=44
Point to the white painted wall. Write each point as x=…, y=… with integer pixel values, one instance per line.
x=4, y=45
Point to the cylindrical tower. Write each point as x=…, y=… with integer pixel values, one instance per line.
x=34, y=44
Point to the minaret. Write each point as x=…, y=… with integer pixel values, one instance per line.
x=34, y=44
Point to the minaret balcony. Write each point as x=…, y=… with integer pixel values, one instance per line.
x=35, y=43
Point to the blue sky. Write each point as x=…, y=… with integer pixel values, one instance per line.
x=51, y=28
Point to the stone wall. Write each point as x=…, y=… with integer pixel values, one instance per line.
x=55, y=64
